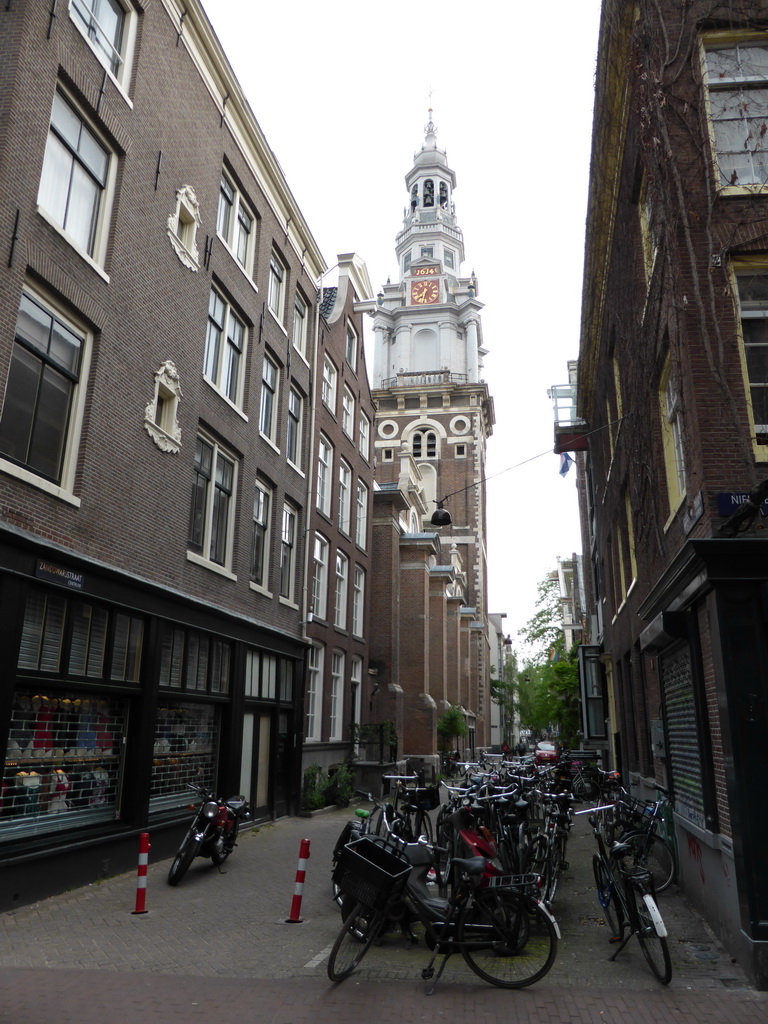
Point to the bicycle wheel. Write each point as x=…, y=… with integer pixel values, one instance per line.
x=537, y=855
x=507, y=938
x=446, y=849
x=507, y=853
x=653, y=945
x=606, y=896
x=552, y=869
x=652, y=853
x=424, y=825
x=353, y=941
x=584, y=787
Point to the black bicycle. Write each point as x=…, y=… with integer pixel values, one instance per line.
x=637, y=823
x=505, y=935
x=626, y=895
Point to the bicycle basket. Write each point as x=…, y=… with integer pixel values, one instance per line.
x=427, y=798
x=372, y=870
x=634, y=813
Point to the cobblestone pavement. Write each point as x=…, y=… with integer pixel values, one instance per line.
x=219, y=942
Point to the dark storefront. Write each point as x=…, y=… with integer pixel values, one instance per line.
x=116, y=694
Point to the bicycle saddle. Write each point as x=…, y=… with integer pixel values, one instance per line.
x=471, y=865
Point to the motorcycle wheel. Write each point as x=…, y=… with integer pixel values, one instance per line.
x=182, y=860
x=224, y=845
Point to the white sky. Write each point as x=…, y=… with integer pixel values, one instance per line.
x=342, y=89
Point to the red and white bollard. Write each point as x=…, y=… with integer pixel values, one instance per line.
x=298, y=888
x=141, y=881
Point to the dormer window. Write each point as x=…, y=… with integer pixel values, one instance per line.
x=429, y=192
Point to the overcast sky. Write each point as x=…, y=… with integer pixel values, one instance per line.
x=342, y=91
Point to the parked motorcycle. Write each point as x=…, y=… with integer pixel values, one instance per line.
x=213, y=833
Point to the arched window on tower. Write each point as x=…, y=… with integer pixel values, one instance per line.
x=429, y=192
x=414, y=197
x=443, y=195
x=424, y=444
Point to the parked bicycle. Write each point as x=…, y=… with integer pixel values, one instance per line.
x=626, y=894
x=407, y=813
x=637, y=823
x=504, y=933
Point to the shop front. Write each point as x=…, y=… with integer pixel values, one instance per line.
x=115, y=695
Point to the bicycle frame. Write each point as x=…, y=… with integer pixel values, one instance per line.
x=618, y=889
x=440, y=916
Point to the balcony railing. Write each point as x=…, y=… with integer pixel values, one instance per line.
x=424, y=379
x=570, y=429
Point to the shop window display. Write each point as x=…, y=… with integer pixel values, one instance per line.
x=186, y=737
x=63, y=762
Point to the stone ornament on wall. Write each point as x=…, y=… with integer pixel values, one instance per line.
x=161, y=414
x=182, y=227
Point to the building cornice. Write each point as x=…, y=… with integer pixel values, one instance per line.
x=612, y=95
x=196, y=34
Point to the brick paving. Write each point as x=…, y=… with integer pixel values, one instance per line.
x=219, y=942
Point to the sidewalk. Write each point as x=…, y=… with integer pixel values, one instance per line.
x=218, y=943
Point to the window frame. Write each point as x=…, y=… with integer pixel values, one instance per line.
x=344, y=517
x=348, y=412
x=672, y=433
x=95, y=249
x=288, y=524
x=278, y=284
x=364, y=436
x=122, y=76
x=300, y=329
x=231, y=237
x=324, y=489
x=314, y=698
x=358, y=602
x=63, y=487
x=269, y=399
x=320, y=553
x=294, y=427
x=350, y=346
x=263, y=497
x=341, y=590
x=329, y=385
x=336, y=702
x=201, y=550
x=362, y=498
x=229, y=384
x=751, y=310
x=736, y=43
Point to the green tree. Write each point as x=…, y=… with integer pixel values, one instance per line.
x=549, y=680
x=450, y=725
x=504, y=693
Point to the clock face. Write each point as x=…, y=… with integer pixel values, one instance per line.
x=423, y=292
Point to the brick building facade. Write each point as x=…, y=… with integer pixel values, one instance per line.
x=158, y=318
x=339, y=541
x=672, y=401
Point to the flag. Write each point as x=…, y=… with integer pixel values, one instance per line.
x=565, y=463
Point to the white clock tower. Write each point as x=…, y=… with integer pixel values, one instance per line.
x=433, y=408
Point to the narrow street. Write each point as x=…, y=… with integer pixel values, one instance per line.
x=84, y=958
